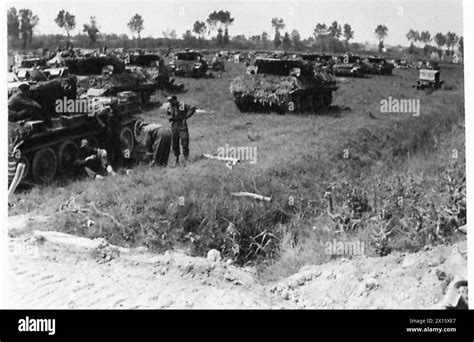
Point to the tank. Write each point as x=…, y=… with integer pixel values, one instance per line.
x=50, y=150
x=133, y=78
x=91, y=65
x=283, y=86
x=349, y=66
x=188, y=64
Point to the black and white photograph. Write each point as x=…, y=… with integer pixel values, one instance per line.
x=235, y=155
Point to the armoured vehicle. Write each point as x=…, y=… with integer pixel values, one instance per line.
x=217, y=63
x=401, y=64
x=188, y=64
x=50, y=150
x=27, y=62
x=378, y=66
x=283, y=86
x=90, y=65
x=429, y=80
x=143, y=60
x=349, y=65
x=132, y=79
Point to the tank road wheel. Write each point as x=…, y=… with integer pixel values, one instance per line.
x=68, y=153
x=295, y=104
x=44, y=165
x=327, y=100
x=307, y=104
x=126, y=142
x=317, y=103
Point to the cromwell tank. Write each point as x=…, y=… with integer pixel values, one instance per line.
x=50, y=150
x=283, y=86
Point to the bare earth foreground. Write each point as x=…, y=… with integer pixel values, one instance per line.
x=60, y=271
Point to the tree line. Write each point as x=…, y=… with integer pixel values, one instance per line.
x=212, y=32
x=449, y=40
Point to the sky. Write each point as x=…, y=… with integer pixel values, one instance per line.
x=253, y=17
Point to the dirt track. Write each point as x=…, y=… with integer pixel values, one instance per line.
x=43, y=274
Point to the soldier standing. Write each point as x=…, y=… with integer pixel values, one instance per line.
x=179, y=114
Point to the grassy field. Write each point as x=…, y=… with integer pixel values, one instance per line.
x=392, y=170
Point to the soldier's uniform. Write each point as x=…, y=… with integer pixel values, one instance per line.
x=179, y=113
x=21, y=107
x=157, y=142
x=94, y=161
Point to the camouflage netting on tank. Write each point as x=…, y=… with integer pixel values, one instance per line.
x=46, y=93
x=93, y=65
x=267, y=89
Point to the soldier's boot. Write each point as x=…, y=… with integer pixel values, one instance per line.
x=176, y=161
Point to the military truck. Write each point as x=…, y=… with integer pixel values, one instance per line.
x=283, y=86
x=429, y=80
x=188, y=64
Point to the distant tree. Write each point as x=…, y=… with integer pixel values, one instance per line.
x=320, y=34
x=13, y=24
x=28, y=21
x=227, y=21
x=461, y=45
x=66, y=21
x=451, y=41
x=92, y=31
x=296, y=40
x=440, y=41
x=277, y=40
x=187, y=36
x=220, y=21
x=413, y=36
x=381, y=31
x=240, y=41
x=199, y=28
x=425, y=37
x=135, y=24
x=278, y=24
x=286, y=42
x=264, y=39
x=348, y=33
x=169, y=34
x=335, y=30
x=255, y=40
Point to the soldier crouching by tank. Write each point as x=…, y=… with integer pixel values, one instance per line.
x=22, y=107
x=94, y=161
x=156, y=140
x=179, y=114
